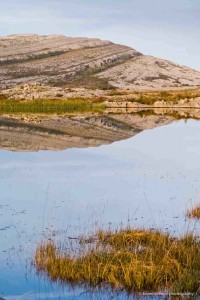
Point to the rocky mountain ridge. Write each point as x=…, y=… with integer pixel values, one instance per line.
x=58, y=60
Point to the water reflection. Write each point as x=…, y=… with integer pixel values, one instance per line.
x=148, y=180
x=33, y=133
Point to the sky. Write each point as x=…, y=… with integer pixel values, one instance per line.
x=166, y=29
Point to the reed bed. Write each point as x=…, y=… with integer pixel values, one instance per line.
x=135, y=261
x=46, y=106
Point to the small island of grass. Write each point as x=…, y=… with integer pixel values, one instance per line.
x=134, y=261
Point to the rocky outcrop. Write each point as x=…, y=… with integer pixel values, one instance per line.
x=56, y=60
x=82, y=62
x=35, y=91
x=151, y=73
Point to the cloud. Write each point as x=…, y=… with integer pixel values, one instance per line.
x=168, y=29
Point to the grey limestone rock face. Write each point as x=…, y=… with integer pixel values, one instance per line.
x=57, y=60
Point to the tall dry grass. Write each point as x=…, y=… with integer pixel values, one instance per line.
x=131, y=260
x=194, y=213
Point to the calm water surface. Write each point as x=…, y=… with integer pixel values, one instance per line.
x=148, y=180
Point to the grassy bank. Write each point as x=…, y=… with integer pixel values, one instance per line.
x=95, y=103
x=46, y=106
x=131, y=260
x=150, y=97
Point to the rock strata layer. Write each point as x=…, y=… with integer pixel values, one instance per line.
x=57, y=60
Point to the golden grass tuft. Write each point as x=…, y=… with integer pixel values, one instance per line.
x=131, y=260
x=194, y=213
x=172, y=97
x=148, y=98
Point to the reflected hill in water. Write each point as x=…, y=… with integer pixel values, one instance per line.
x=33, y=133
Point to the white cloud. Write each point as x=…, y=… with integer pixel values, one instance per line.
x=168, y=29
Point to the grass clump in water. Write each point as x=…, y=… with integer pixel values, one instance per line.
x=131, y=260
x=46, y=106
x=194, y=213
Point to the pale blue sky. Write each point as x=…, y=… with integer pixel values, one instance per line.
x=167, y=29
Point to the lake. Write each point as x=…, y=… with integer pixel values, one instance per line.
x=147, y=178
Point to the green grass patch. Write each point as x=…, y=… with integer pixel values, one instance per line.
x=131, y=260
x=46, y=106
